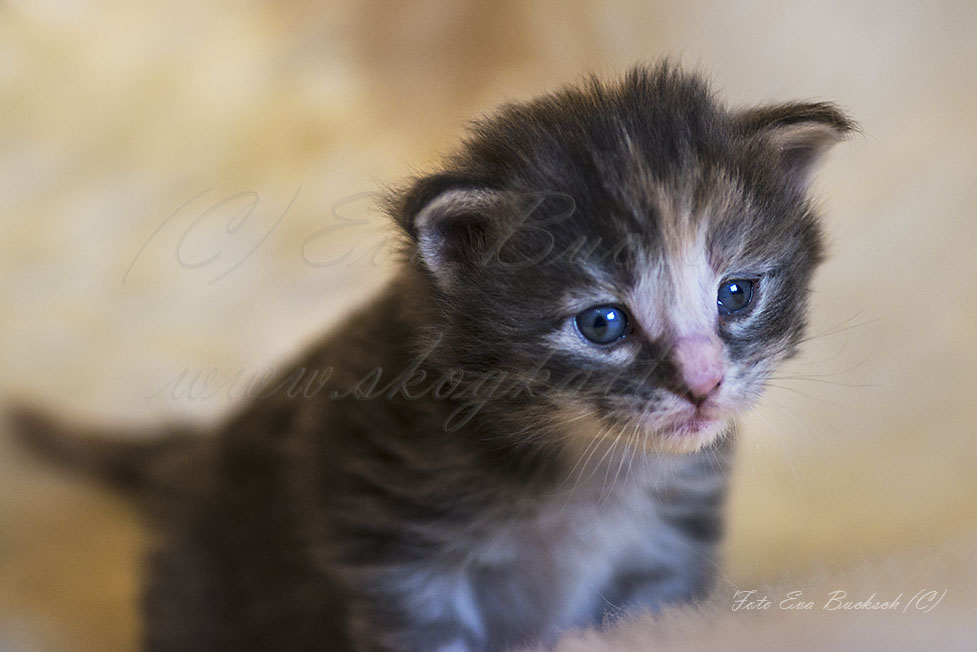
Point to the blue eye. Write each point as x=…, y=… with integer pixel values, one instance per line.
x=734, y=296
x=602, y=324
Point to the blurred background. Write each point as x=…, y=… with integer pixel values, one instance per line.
x=186, y=193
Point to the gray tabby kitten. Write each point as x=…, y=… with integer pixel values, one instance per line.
x=528, y=431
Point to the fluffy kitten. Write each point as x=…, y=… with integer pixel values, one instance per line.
x=528, y=431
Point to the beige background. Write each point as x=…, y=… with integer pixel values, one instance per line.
x=114, y=114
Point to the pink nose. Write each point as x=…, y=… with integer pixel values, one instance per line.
x=700, y=363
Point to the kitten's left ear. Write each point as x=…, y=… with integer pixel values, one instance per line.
x=453, y=221
x=800, y=134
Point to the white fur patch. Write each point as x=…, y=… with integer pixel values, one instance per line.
x=678, y=298
x=435, y=595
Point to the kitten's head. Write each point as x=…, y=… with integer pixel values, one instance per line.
x=634, y=256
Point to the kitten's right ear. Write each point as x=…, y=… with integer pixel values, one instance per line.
x=799, y=132
x=452, y=221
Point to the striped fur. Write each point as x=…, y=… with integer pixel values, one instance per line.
x=470, y=474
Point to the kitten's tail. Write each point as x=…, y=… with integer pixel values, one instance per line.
x=159, y=464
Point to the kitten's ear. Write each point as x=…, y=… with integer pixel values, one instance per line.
x=453, y=222
x=800, y=134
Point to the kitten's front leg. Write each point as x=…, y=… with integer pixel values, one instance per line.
x=376, y=629
x=651, y=588
x=416, y=612
x=676, y=561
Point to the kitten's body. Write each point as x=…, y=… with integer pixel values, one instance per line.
x=458, y=467
x=365, y=513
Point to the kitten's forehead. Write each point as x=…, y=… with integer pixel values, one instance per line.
x=670, y=269
x=672, y=281
x=658, y=237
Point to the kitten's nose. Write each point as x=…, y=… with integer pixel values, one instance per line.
x=700, y=364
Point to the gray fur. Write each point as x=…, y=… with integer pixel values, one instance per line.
x=454, y=467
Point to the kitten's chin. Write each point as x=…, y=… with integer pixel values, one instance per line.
x=687, y=435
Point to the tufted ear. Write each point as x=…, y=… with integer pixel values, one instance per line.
x=453, y=223
x=800, y=134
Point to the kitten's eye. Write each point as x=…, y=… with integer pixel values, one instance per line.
x=602, y=324
x=734, y=295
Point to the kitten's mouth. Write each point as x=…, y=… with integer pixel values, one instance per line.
x=692, y=430
x=683, y=429
x=694, y=424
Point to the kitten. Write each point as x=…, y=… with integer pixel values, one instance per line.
x=529, y=429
